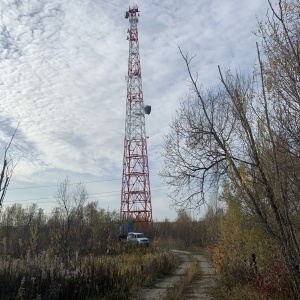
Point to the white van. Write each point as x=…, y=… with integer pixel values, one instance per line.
x=139, y=238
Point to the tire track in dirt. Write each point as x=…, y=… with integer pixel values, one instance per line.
x=202, y=286
x=198, y=289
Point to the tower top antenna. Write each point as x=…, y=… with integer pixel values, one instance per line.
x=133, y=11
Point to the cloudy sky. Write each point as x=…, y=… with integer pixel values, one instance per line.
x=63, y=65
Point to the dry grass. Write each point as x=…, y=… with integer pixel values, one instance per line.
x=106, y=277
x=244, y=292
x=238, y=283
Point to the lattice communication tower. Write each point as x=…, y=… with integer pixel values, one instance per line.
x=135, y=196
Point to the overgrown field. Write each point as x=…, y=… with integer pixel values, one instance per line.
x=41, y=276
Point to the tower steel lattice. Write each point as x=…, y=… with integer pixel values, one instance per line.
x=135, y=196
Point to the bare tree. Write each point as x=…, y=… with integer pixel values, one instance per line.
x=7, y=169
x=245, y=130
x=71, y=203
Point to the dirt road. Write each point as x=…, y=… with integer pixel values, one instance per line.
x=199, y=288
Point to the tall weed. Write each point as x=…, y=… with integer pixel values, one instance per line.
x=89, y=277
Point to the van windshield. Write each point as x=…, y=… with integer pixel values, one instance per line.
x=140, y=235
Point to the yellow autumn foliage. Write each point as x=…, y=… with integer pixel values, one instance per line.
x=241, y=236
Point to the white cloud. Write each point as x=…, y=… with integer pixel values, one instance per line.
x=63, y=67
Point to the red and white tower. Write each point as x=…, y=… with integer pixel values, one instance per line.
x=136, y=196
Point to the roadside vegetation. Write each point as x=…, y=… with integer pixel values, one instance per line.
x=249, y=263
x=96, y=265
x=51, y=257
x=241, y=137
x=40, y=276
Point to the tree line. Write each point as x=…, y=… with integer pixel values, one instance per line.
x=74, y=227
